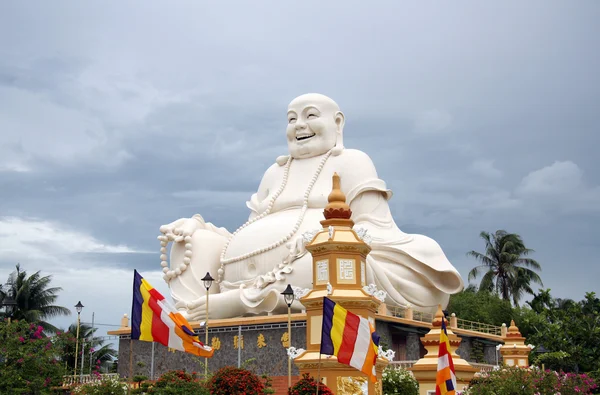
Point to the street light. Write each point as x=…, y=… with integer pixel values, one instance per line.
x=78, y=307
x=288, y=296
x=207, y=280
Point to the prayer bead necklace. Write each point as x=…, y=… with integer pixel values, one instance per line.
x=311, y=184
x=164, y=240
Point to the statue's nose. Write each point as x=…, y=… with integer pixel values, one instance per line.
x=300, y=125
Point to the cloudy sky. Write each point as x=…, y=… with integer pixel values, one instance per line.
x=117, y=117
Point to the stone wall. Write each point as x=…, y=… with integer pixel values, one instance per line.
x=413, y=346
x=491, y=355
x=464, y=349
x=261, y=343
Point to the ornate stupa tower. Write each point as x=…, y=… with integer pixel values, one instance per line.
x=425, y=369
x=339, y=273
x=514, y=351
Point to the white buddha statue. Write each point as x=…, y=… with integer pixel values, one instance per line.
x=255, y=263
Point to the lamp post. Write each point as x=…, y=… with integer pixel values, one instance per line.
x=208, y=280
x=78, y=307
x=288, y=296
x=9, y=305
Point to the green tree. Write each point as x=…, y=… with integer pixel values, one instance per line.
x=101, y=352
x=480, y=306
x=30, y=362
x=563, y=325
x=505, y=267
x=35, y=298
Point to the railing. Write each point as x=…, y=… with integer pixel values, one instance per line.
x=400, y=312
x=478, y=327
x=483, y=367
x=421, y=316
x=87, y=378
x=402, y=364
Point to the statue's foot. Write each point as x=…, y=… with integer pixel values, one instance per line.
x=221, y=305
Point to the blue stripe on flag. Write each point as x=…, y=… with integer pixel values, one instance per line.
x=136, y=306
x=326, y=342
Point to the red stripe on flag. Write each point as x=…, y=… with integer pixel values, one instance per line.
x=160, y=330
x=443, y=349
x=348, y=338
x=155, y=294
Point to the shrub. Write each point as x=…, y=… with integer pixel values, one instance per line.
x=557, y=360
x=513, y=380
x=101, y=387
x=232, y=380
x=399, y=381
x=308, y=386
x=30, y=362
x=178, y=382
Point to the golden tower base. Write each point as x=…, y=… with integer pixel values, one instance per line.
x=425, y=369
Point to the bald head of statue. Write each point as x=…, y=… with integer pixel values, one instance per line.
x=315, y=126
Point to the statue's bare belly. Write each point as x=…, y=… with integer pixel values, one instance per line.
x=261, y=234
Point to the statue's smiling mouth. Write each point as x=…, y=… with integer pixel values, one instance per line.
x=304, y=137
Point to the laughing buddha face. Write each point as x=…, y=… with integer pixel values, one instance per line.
x=315, y=125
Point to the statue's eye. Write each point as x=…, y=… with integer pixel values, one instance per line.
x=311, y=116
x=292, y=120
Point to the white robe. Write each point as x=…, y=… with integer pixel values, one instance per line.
x=411, y=268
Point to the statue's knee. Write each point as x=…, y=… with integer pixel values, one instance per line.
x=207, y=237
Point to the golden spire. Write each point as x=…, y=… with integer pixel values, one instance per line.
x=439, y=315
x=513, y=330
x=337, y=207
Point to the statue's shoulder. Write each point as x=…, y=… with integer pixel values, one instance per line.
x=355, y=157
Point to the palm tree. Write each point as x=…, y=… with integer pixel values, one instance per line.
x=505, y=266
x=102, y=352
x=35, y=298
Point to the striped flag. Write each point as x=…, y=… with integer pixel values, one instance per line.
x=445, y=380
x=154, y=319
x=351, y=338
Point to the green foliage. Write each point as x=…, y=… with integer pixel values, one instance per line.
x=530, y=381
x=30, y=362
x=505, y=267
x=139, y=378
x=480, y=306
x=308, y=386
x=178, y=382
x=268, y=384
x=568, y=326
x=35, y=298
x=101, y=387
x=557, y=360
x=477, y=351
x=232, y=380
x=101, y=352
x=399, y=381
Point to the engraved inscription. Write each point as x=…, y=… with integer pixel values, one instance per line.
x=323, y=271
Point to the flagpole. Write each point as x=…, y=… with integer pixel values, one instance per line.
x=130, y=365
x=319, y=373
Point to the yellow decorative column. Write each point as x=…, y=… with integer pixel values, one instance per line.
x=514, y=351
x=339, y=273
x=425, y=369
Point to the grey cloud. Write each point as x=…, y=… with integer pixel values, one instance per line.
x=117, y=119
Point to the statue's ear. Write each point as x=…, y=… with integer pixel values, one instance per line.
x=340, y=121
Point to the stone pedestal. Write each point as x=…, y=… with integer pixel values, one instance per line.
x=425, y=369
x=514, y=351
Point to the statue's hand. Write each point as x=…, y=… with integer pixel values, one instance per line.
x=178, y=230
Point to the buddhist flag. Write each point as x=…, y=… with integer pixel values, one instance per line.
x=351, y=338
x=154, y=319
x=445, y=380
